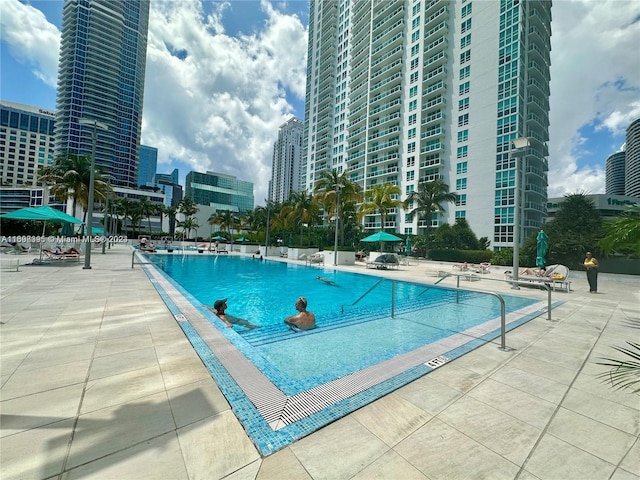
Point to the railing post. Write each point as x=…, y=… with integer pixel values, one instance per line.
x=503, y=323
x=133, y=254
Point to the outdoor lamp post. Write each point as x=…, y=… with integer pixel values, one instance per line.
x=92, y=179
x=106, y=219
x=335, y=246
x=516, y=148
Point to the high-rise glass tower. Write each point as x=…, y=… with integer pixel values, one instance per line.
x=614, y=174
x=101, y=77
x=410, y=92
x=632, y=160
x=287, y=158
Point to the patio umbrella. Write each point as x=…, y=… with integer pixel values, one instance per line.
x=542, y=242
x=44, y=214
x=291, y=240
x=242, y=239
x=381, y=237
x=218, y=238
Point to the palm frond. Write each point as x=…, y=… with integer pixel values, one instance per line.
x=625, y=374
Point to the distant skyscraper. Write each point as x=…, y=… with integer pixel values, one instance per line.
x=410, y=92
x=632, y=160
x=287, y=158
x=101, y=77
x=614, y=174
x=147, y=165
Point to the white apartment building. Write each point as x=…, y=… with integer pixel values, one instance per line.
x=287, y=158
x=412, y=91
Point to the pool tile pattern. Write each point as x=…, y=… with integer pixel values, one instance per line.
x=274, y=419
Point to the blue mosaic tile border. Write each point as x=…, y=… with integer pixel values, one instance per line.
x=268, y=440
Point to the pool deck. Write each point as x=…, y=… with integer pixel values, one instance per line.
x=99, y=381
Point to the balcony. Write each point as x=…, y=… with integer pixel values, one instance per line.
x=441, y=14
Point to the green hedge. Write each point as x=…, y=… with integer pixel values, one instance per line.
x=469, y=256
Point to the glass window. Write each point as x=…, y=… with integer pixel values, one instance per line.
x=463, y=135
x=462, y=152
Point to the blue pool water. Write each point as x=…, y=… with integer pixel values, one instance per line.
x=349, y=337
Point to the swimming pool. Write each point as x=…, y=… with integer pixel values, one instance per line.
x=283, y=385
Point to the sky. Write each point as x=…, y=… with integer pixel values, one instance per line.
x=222, y=76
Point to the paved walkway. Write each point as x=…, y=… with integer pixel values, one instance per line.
x=98, y=381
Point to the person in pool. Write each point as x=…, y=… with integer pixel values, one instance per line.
x=327, y=281
x=219, y=307
x=303, y=320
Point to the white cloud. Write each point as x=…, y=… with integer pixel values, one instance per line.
x=31, y=39
x=220, y=107
x=595, y=80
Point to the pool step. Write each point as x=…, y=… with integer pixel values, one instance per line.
x=277, y=333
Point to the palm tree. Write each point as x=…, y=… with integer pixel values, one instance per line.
x=147, y=209
x=329, y=186
x=187, y=225
x=126, y=206
x=381, y=198
x=431, y=197
x=171, y=212
x=227, y=220
x=301, y=209
x=70, y=176
x=187, y=207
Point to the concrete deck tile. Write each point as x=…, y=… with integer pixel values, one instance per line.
x=391, y=418
x=109, y=346
x=54, y=355
x=536, y=366
x=596, y=438
x=530, y=383
x=339, y=450
x=122, y=388
x=621, y=474
x=504, y=434
x=603, y=389
x=555, y=459
x=36, y=453
x=429, y=394
x=521, y=405
x=154, y=459
x=216, y=447
x=196, y=401
x=28, y=382
x=102, y=432
x=631, y=462
x=441, y=452
x=390, y=465
x=37, y=410
x=124, y=362
x=183, y=372
x=605, y=411
x=248, y=472
x=273, y=466
x=457, y=377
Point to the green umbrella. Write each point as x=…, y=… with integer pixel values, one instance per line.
x=542, y=244
x=242, y=239
x=218, y=238
x=381, y=237
x=407, y=247
x=44, y=214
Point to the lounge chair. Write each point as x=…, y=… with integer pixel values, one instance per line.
x=315, y=258
x=555, y=275
x=222, y=249
x=61, y=256
x=384, y=261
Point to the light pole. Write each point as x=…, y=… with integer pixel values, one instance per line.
x=335, y=247
x=92, y=179
x=516, y=148
x=106, y=218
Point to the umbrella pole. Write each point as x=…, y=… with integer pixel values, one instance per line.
x=44, y=224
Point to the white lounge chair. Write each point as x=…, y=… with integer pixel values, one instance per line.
x=384, y=261
x=557, y=276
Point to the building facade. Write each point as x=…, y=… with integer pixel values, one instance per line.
x=220, y=191
x=287, y=158
x=609, y=206
x=147, y=165
x=101, y=78
x=410, y=92
x=632, y=160
x=614, y=174
x=26, y=143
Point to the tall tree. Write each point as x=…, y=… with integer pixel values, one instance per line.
x=575, y=229
x=146, y=209
x=326, y=189
x=69, y=178
x=381, y=198
x=431, y=197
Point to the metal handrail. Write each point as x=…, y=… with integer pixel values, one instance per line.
x=133, y=262
x=363, y=295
